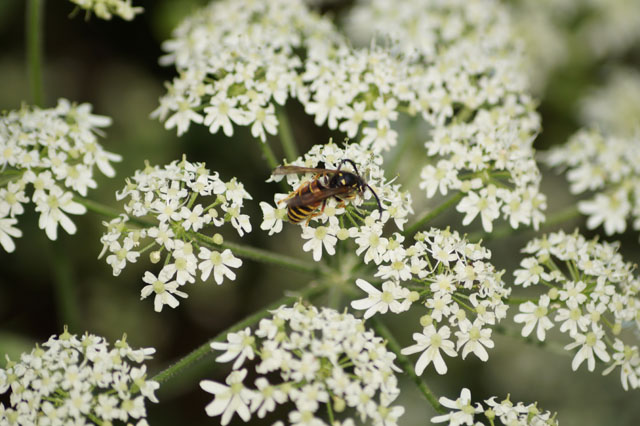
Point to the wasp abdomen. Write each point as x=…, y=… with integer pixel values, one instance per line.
x=299, y=213
x=299, y=208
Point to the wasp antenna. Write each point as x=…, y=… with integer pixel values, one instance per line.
x=376, y=196
x=347, y=160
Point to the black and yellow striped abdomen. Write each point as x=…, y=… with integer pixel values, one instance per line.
x=306, y=201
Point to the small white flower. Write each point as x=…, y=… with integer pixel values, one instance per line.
x=371, y=243
x=7, y=230
x=239, y=221
x=392, y=297
x=239, y=346
x=266, y=398
x=183, y=116
x=532, y=315
x=104, y=9
x=193, y=218
x=484, y=204
x=354, y=116
x=572, y=319
x=273, y=218
x=147, y=387
x=52, y=210
x=318, y=238
x=430, y=342
x=163, y=288
x=11, y=199
x=219, y=263
x=264, y=120
x=611, y=209
x=628, y=358
x=532, y=272
x=229, y=400
x=121, y=255
x=591, y=345
x=220, y=113
x=465, y=409
x=184, y=264
x=473, y=338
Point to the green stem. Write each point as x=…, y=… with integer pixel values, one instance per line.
x=409, y=135
x=464, y=115
x=96, y=207
x=107, y=211
x=286, y=135
x=65, y=290
x=564, y=215
x=268, y=154
x=265, y=256
x=34, y=51
x=330, y=411
x=272, y=162
x=519, y=300
x=432, y=214
x=204, y=350
x=406, y=365
x=94, y=419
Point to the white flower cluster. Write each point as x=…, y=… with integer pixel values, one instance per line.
x=546, y=42
x=615, y=107
x=164, y=206
x=593, y=297
x=609, y=166
x=76, y=381
x=467, y=82
x=105, y=9
x=315, y=359
x=461, y=290
x=506, y=411
x=47, y=155
x=358, y=91
x=554, y=30
x=236, y=60
x=338, y=223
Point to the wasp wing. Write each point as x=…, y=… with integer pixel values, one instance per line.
x=310, y=198
x=288, y=170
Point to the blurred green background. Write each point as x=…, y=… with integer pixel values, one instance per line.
x=114, y=66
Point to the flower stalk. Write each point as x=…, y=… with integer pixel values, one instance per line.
x=34, y=52
x=406, y=365
x=430, y=215
x=65, y=294
x=265, y=256
x=205, y=349
x=286, y=135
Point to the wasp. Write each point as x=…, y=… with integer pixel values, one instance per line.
x=304, y=202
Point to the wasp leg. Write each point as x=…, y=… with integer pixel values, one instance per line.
x=299, y=189
x=293, y=194
x=316, y=213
